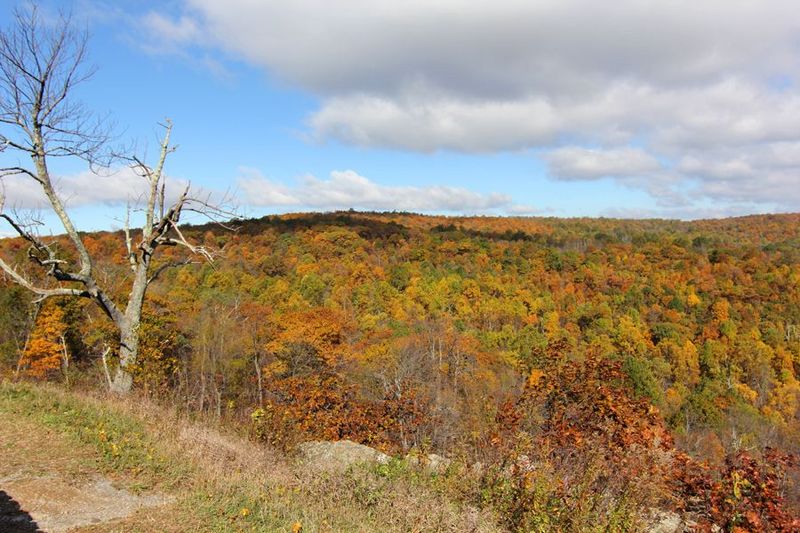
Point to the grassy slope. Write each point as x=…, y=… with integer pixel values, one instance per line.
x=221, y=483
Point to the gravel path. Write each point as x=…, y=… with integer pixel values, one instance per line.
x=48, y=484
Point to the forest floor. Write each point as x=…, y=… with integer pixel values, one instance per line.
x=72, y=461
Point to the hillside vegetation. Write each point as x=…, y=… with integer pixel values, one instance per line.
x=595, y=369
x=214, y=480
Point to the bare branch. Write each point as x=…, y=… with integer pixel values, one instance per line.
x=104, y=358
x=40, y=291
x=40, y=66
x=42, y=254
x=128, y=242
x=155, y=177
x=13, y=171
x=8, y=143
x=198, y=250
x=167, y=266
x=218, y=212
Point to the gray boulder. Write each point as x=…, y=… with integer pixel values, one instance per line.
x=338, y=455
x=662, y=521
x=665, y=522
x=431, y=461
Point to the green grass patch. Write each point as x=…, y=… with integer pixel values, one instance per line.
x=122, y=443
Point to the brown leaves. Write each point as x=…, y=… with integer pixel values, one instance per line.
x=325, y=407
x=748, y=497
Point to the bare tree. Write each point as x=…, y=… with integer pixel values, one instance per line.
x=41, y=63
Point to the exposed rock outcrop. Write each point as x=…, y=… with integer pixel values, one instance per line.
x=338, y=455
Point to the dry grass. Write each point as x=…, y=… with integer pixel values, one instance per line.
x=30, y=451
x=221, y=481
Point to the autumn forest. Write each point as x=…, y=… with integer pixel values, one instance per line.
x=652, y=361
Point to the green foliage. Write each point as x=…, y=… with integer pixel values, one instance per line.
x=643, y=378
x=347, y=315
x=15, y=323
x=312, y=288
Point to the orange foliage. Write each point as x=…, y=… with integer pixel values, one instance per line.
x=324, y=329
x=45, y=351
x=560, y=340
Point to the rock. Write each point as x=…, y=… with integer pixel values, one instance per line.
x=437, y=463
x=338, y=455
x=666, y=522
x=55, y=504
x=431, y=461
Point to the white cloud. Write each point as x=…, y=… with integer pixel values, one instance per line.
x=120, y=187
x=423, y=123
x=682, y=213
x=681, y=83
x=578, y=163
x=630, y=167
x=183, y=30
x=732, y=112
x=346, y=189
x=342, y=190
x=502, y=48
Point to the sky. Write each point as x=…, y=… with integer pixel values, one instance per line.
x=632, y=108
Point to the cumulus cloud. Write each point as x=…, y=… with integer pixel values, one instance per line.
x=502, y=49
x=664, y=92
x=578, y=163
x=768, y=173
x=345, y=189
x=182, y=30
x=120, y=187
x=341, y=190
x=682, y=213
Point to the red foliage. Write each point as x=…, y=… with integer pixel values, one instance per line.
x=581, y=417
x=324, y=407
x=585, y=405
x=749, y=496
x=579, y=427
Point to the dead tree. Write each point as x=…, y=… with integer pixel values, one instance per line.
x=41, y=63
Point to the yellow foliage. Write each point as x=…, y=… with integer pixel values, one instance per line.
x=552, y=324
x=630, y=338
x=684, y=360
x=746, y=392
x=534, y=377
x=784, y=400
x=693, y=300
x=721, y=310
x=307, y=268
x=275, y=368
x=322, y=328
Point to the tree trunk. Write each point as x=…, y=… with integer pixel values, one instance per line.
x=37, y=306
x=257, y=362
x=129, y=330
x=128, y=350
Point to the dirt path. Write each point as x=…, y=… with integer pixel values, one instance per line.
x=49, y=484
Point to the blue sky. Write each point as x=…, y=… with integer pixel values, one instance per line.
x=548, y=108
